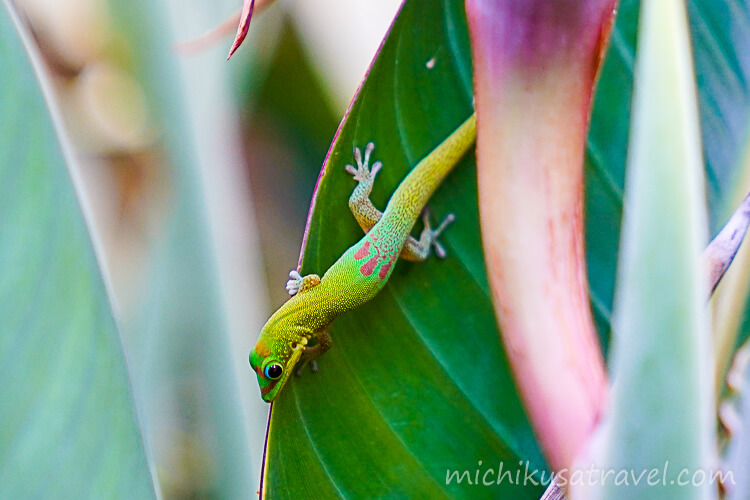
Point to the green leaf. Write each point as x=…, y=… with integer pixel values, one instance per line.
x=417, y=382
x=408, y=391
x=68, y=426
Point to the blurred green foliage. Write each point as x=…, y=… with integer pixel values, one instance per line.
x=68, y=426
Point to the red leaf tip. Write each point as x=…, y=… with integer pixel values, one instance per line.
x=247, y=14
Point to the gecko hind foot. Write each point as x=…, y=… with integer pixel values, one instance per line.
x=363, y=173
x=434, y=233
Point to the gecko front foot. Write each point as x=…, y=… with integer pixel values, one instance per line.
x=363, y=173
x=322, y=343
x=432, y=234
x=294, y=284
x=299, y=283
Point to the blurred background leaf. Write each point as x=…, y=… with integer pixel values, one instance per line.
x=720, y=31
x=289, y=122
x=661, y=407
x=69, y=425
x=190, y=337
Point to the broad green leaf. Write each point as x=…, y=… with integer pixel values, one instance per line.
x=417, y=382
x=408, y=391
x=68, y=425
x=661, y=408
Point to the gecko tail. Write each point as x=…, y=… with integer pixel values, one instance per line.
x=416, y=189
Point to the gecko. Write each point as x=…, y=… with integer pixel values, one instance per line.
x=298, y=332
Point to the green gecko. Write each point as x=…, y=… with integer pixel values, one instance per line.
x=362, y=271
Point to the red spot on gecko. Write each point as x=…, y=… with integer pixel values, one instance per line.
x=369, y=266
x=363, y=251
x=384, y=270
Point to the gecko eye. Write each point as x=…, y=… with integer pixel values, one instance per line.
x=273, y=371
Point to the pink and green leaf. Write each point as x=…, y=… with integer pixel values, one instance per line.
x=534, y=68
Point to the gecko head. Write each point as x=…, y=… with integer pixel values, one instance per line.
x=273, y=366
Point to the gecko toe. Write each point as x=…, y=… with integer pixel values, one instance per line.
x=293, y=285
x=439, y=250
x=363, y=172
x=448, y=219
